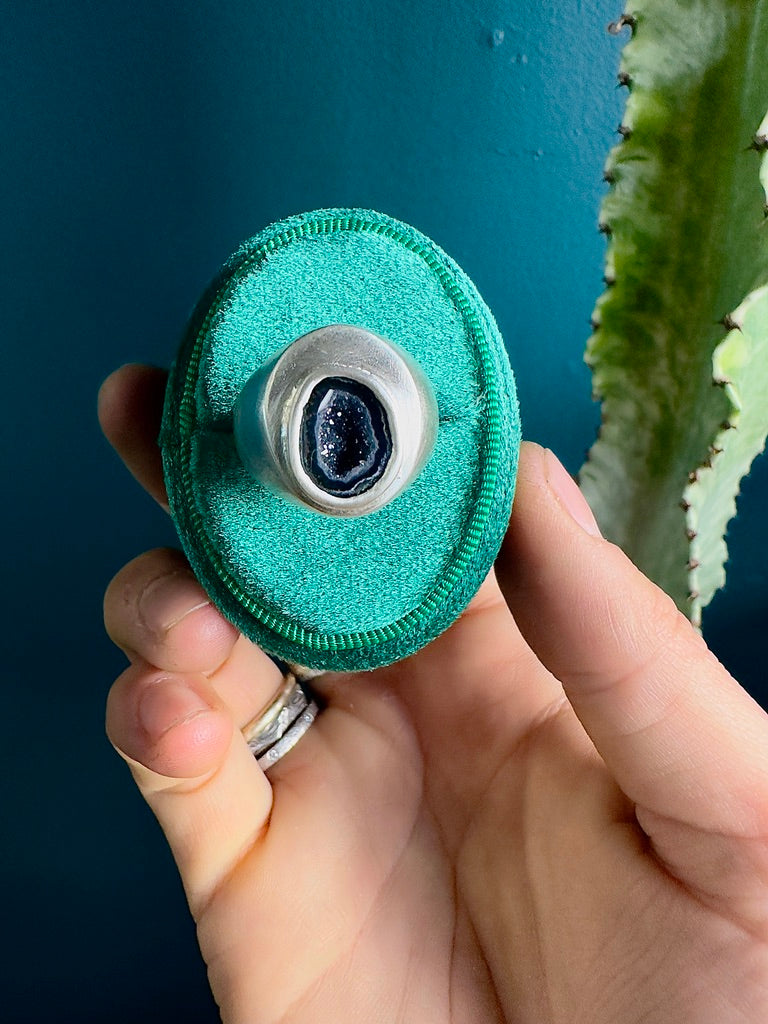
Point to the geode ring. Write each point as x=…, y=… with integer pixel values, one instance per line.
x=342, y=421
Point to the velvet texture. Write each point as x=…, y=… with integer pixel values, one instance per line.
x=329, y=592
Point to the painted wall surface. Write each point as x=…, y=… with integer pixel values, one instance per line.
x=141, y=143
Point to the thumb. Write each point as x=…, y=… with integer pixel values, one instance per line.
x=681, y=737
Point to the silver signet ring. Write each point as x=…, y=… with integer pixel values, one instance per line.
x=342, y=421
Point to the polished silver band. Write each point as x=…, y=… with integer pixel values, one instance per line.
x=269, y=413
x=282, y=722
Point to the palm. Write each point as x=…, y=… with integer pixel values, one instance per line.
x=446, y=844
x=429, y=836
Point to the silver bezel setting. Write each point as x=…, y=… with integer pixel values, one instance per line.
x=269, y=411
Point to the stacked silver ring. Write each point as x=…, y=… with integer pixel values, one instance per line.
x=280, y=724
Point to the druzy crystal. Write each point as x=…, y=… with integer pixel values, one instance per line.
x=344, y=437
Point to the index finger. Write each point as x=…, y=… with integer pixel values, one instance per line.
x=130, y=409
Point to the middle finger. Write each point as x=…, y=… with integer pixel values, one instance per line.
x=157, y=612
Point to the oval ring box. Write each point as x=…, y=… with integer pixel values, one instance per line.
x=394, y=395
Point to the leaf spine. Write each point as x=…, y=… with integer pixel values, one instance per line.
x=625, y=21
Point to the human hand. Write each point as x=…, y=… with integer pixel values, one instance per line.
x=556, y=817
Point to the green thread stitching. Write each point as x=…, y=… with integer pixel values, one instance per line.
x=470, y=542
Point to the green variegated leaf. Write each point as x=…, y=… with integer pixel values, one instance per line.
x=741, y=361
x=685, y=217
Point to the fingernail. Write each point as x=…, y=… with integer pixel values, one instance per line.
x=568, y=494
x=166, y=703
x=169, y=599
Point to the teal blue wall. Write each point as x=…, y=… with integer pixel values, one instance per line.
x=141, y=143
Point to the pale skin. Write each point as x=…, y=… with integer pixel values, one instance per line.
x=557, y=812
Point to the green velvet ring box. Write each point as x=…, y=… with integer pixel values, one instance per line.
x=341, y=591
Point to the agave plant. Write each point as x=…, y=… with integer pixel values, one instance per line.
x=679, y=353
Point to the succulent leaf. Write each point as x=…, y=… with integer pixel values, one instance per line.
x=741, y=360
x=685, y=216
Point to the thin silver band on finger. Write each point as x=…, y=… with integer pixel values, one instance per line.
x=290, y=737
x=282, y=722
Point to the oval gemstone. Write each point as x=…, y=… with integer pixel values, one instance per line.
x=344, y=437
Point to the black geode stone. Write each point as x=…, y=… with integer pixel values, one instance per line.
x=344, y=437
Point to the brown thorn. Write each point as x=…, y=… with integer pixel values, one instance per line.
x=693, y=564
x=729, y=323
x=690, y=534
x=685, y=505
x=624, y=79
x=624, y=131
x=625, y=21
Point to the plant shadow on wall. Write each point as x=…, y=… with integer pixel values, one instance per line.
x=679, y=353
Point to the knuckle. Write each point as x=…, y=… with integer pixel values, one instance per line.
x=123, y=594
